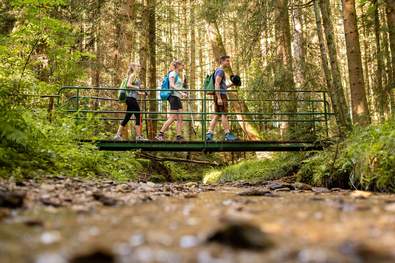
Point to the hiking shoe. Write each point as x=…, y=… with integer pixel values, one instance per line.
x=160, y=137
x=118, y=138
x=141, y=138
x=209, y=137
x=229, y=137
x=179, y=138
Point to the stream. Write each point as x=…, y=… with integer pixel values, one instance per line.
x=64, y=220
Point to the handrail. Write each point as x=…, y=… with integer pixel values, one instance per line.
x=189, y=90
x=314, y=111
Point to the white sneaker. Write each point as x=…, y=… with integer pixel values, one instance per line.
x=141, y=138
x=160, y=137
x=118, y=138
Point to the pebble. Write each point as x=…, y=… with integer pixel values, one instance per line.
x=50, y=258
x=320, y=190
x=12, y=200
x=390, y=207
x=255, y=192
x=302, y=186
x=361, y=194
x=241, y=235
x=48, y=238
x=189, y=241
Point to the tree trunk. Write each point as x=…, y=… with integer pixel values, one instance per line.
x=236, y=104
x=325, y=63
x=359, y=104
x=284, y=72
x=299, y=48
x=344, y=115
x=153, y=106
x=366, y=59
x=379, y=91
x=390, y=10
x=192, y=66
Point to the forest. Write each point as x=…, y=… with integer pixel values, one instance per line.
x=344, y=48
x=310, y=140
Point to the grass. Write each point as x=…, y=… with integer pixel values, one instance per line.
x=278, y=166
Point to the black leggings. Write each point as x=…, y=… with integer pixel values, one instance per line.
x=133, y=105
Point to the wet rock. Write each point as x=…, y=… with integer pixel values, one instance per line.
x=11, y=200
x=255, y=192
x=361, y=194
x=48, y=201
x=190, y=195
x=361, y=253
x=278, y=185
x=50, y=237
x=136, y=240
x=105, y=200
x=33, y=222
x=189, y=241
x=316, y=198
x=302, y=186
x=241, y=235
x=316, y=255
x=284, y=189
x=320, y=190
x=4, y=213
x=146, y=198
x=390, y=207
x=47, y=187
x=96, y=257
x=50, y=258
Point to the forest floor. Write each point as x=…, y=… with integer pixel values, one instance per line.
x=71, y=220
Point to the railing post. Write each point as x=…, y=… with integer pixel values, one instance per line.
x=204, y=117
x=326, y=115
x=78, y=105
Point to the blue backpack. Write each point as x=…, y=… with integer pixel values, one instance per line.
x=165, y=91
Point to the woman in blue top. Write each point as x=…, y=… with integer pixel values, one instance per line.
x=134, y=86
x=174, y=99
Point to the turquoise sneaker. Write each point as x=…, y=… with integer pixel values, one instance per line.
x=229, y=137
x=209, y=137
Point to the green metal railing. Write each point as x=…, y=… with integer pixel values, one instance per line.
x=313, y=109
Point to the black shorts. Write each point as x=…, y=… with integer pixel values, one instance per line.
x=175, y=103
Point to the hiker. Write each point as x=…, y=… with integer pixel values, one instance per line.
x=133, y=86
x=174, y=98
x=221, y=101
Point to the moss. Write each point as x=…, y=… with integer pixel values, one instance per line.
x=278, y=166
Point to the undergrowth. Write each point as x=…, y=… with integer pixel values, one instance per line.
x=365, y=160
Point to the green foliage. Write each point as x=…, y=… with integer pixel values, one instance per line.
x=365, y=160
x=278, y=166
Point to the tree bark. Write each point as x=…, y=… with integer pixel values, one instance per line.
x=359, y=104
x=390, y=10
x=192, y=65
x=379, y=91
x=343, y=113
x=153, y=106
x=284, y=69
x=325, y=64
